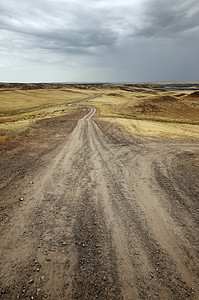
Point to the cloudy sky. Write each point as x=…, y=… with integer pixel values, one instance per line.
x=99, y=40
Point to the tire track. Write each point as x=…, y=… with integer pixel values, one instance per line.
x=98, y=223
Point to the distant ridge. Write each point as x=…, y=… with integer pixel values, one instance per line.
x=161, y=86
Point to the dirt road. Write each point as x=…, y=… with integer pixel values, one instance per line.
x=109, y=217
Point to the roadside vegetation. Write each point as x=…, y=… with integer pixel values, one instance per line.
x=151, y=113
x=148, y=110
x=20, y=109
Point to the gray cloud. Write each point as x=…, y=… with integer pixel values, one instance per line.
x=110, y=40
x=169, y=18
x=71, y=26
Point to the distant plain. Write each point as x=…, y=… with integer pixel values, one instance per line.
x=145, y=109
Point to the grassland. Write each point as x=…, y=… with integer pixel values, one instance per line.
x=20, y=109
x=148, y=110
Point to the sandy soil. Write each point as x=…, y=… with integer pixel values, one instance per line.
x=89, y=212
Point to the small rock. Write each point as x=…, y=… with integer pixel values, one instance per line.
x=21, y=199
x=48, y=258
x=38, y=291
x=31, y=281
x=42, y=278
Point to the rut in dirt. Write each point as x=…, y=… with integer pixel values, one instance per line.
x=105, y=220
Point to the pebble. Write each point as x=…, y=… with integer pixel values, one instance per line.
x=42, y=278
x=31, y=281
x=48, y=258
x=21, y=199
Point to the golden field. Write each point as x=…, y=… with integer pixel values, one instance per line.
x=20, y=109
x=142, y=110
x=151, y=113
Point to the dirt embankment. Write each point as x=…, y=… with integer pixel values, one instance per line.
x=100, y=216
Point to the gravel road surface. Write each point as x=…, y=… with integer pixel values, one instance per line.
x=105, y=218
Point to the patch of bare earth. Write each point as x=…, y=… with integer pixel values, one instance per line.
x=90, y=212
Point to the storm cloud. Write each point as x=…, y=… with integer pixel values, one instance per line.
x=112, y=40
x=170, y=18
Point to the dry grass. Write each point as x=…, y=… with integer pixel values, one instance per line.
x=20, y=109
x=18, y=101
x=155, y=129
x=139, y=110
x=151, y=113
